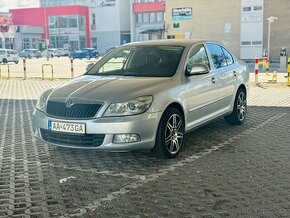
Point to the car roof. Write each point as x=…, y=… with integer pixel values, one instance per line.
x=174, y=42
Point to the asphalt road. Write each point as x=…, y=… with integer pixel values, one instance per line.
x=222, y=171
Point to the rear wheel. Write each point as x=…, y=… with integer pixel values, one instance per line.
x=4, y=61
x=238, y=116
x=16, y=62
x=169, y=138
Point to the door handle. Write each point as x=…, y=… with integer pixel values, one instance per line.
x=213, y=80
x=235, y=73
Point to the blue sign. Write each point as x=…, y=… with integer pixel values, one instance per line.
x=182, y=13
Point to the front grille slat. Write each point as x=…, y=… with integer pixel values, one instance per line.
x=86, y=140
x=78, y=111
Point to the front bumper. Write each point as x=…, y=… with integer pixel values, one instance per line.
x=145, y=125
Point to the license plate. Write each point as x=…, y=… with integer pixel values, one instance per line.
x=79, y=128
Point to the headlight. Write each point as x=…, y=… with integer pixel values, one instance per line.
x=41, y=102
x=132, y=107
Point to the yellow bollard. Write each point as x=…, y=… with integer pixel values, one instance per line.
x=8, y=70
x=267, y=68
x=51, y=67
x=275, y=75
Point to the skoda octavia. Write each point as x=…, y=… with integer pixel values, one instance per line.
x=145, y=96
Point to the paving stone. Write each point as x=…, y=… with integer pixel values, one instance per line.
x=223, y=171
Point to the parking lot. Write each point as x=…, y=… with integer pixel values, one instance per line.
x=223, y=171
x=61, y=67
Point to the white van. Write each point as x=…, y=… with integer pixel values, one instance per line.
x=8, y=55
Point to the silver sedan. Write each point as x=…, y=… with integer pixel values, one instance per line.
x=145, y=96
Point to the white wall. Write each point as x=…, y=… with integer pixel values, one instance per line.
x=107, y=16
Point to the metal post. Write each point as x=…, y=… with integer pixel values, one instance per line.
x=8, y=71
x=288, y=71
x=24, y=68
x=270, y=21
x=46, y=33
x=256, y=70
x=269, y=38
x=72, y=68
x=42, y=72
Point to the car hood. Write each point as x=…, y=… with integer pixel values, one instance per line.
x=89, y=89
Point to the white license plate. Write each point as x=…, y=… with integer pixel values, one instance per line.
x=79, y=128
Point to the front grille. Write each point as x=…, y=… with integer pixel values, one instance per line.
x=86, y=140
x=79, y=111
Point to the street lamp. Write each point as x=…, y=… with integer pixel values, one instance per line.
x=270, y=21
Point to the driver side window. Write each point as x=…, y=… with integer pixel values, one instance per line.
x=197, y=56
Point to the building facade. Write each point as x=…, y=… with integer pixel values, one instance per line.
x=75, y=24
x=241, y=25
x=147, y=20
x=112, y=23
x=64, y=27
x=108, y=23
x=18, y=37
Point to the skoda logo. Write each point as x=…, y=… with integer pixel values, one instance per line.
x=69, y=103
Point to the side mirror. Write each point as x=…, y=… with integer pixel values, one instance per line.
x=89, y=66
x=197, y=69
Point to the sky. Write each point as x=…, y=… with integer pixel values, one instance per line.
x=5, y=5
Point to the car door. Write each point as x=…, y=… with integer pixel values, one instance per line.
x=225, y=72
x=201, y=90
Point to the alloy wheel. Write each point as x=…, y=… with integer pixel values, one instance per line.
x=174, y=133
x=241, y=106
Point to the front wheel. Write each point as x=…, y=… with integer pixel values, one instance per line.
x=238, y=116
x=169, y=138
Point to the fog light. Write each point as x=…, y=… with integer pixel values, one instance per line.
x=126, y=138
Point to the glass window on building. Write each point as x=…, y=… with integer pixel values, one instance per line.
x=52, y=22
x=82, y=42
x=152, y=17
x=82, y=23
x=160, y=16
x=26, y=43
x=34, y=43
x=139, y=18
x=247, y=9
x=62, y=22
x=145, y=17
x=72, y=22
x=258, y=8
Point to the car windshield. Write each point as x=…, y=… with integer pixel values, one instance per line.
x=142, y=61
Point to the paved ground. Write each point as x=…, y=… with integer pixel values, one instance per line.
x=223, y=171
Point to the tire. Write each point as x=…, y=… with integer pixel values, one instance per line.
x=238, y=116
x=88, y=57
x=4, y=61
x=16, y=62
x=29, y=57
x=51, y=55
x=169, y=137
